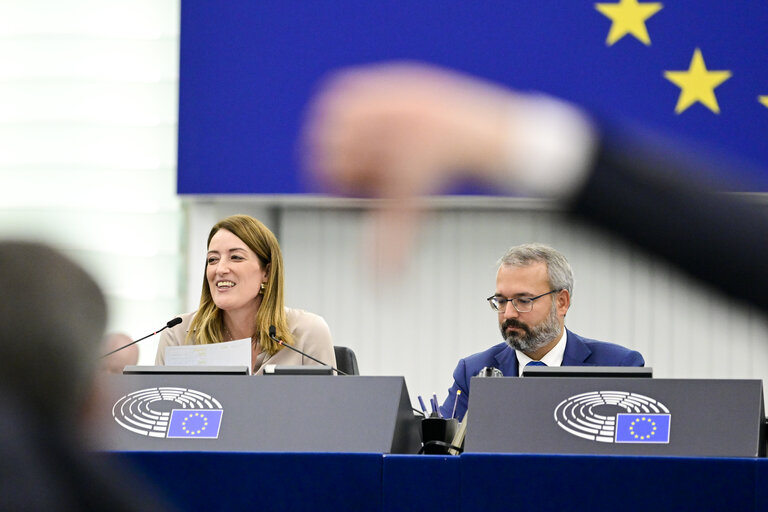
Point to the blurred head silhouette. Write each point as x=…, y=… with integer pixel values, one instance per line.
x=52, y=317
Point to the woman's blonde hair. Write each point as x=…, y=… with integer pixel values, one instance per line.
x=208, y=324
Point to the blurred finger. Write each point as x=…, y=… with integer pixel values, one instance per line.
x=390, y=237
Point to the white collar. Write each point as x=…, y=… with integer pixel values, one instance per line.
x=552, y=358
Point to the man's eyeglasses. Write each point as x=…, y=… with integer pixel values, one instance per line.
x=521, y=304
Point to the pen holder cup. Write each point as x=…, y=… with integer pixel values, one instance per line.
x=437, y=435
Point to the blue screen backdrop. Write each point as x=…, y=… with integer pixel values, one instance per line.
x=248, y=68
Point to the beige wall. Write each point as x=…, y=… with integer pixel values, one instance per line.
x=88, y=121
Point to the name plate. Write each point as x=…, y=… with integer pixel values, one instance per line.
x=282, y=413
x=680, y=417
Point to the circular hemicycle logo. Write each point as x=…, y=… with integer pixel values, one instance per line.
x=614, y=417
x=169, y=412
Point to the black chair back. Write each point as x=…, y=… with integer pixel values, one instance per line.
x=346, y=360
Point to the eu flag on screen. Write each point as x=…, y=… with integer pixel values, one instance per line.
x=691, y=70
x=642, y=428
x=195, y=423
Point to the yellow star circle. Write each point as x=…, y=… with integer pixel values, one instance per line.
x=697, y=84
x=628, y=17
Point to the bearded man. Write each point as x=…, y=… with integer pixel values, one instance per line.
x=534, y=285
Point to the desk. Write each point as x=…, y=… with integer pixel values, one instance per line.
x=471, y=482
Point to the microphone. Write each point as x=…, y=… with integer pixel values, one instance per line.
x=273, y=335
x=172, y=323
x=490, y=371
x=169, y=323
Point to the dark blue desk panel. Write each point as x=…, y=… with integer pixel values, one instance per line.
x=555, y=483
x=761, y=483
x=424, y=483
x=265, y=481
x=471, y=482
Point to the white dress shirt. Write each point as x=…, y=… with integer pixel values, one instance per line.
x=552, y=358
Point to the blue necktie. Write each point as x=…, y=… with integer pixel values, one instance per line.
x=536, y=363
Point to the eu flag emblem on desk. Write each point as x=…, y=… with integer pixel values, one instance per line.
x=642, y=428
x=195, y=423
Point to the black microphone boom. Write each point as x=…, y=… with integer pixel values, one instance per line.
x=169, y=323
x=273, y=335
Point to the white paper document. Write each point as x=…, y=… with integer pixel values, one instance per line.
x=229, y=353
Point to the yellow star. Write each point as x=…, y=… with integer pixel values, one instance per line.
x=697, y=84
x=763, y=100
x=628, y=17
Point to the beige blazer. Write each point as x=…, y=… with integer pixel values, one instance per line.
x=310, y=334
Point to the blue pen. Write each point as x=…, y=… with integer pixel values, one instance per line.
x=437, y=409
x=423, y=407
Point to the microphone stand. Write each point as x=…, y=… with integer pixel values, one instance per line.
x=170, y=323
x=273, y=335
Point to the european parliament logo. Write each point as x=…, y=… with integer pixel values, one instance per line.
x=614, y=417
x=642, y=428
x=195, y=423
x=169, y=412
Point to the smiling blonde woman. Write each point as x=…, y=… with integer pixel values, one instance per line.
x=242, y=297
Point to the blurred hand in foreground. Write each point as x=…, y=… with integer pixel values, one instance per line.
x=399, y=131
x=402, y=131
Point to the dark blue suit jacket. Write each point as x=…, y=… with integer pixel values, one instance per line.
x=578, y=352
x=658, y=194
